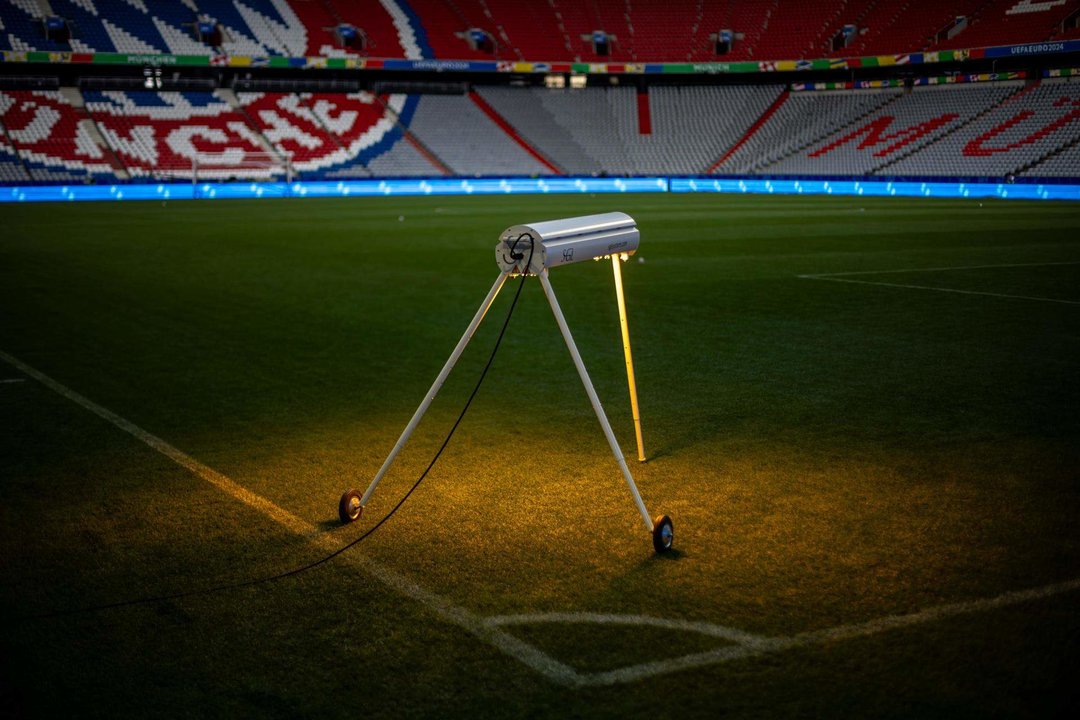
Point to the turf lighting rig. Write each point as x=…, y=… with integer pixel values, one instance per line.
x=534, y=249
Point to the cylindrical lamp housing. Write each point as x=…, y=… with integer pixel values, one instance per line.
x=569, y=240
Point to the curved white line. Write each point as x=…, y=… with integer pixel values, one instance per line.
x=754, y=645
x=571, y=618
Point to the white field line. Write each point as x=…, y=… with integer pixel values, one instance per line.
x=844, y=278
x=497, y=638
x=941, y=289
x=11, y=381
x=574, y=618
x=747, y=645
x=941, y=269
x=490, y=629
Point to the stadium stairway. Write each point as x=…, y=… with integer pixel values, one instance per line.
x=233, y=101
x=513, y=134
x=410, y=137
x=753, y=129
x=644, y=113
x=319, y=120
x=1063, y=162
x=1046, y=157
x=90, y=127
x=13, y=168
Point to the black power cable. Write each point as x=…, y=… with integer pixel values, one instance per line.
x=327, y=558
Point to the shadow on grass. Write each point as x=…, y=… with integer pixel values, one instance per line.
x=637, y=578
x=329, y=525
x=672, y=555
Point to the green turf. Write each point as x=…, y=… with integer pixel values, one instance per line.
x=831, y=453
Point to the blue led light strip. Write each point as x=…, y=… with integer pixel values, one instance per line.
x=525, y=186
x=877, y=188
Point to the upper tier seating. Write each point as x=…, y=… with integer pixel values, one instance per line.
x=748, y=20
x=554, y=30
x=1004, y=22
x=800, y=30
x=51, y=137
x=445, y=24
x=639, y=31
x=533, y=30
x=899, y=26
x=390, y=31
x=248, y=27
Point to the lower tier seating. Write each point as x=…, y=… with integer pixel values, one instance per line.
x=908, y=123
x=181, y=134
x=51, y=137
x=596, y=130
x=972, y=130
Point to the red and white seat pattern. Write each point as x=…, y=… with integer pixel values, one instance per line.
x=912, y=121
x=318, y=131
x=170, y=133
x=1016, y=134
x=50, y=136
x=184, y=134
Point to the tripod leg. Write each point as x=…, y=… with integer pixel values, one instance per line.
x=629, y=358
x=591, y=392
x=437, y=385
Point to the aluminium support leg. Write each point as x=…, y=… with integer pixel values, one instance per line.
x=591, y=392
x=437, y=385
x=629, y=357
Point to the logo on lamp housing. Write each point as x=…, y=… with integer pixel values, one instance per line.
x=568, y=254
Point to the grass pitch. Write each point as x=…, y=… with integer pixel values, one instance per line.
x=855, y=409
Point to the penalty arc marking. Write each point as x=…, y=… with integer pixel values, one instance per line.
x=491, y=629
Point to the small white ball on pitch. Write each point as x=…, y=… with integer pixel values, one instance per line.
x=401, y=218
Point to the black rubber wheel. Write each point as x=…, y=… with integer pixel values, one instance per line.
x=663, y=534
x=350, y=509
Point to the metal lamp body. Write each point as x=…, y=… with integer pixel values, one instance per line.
x=562, y=242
